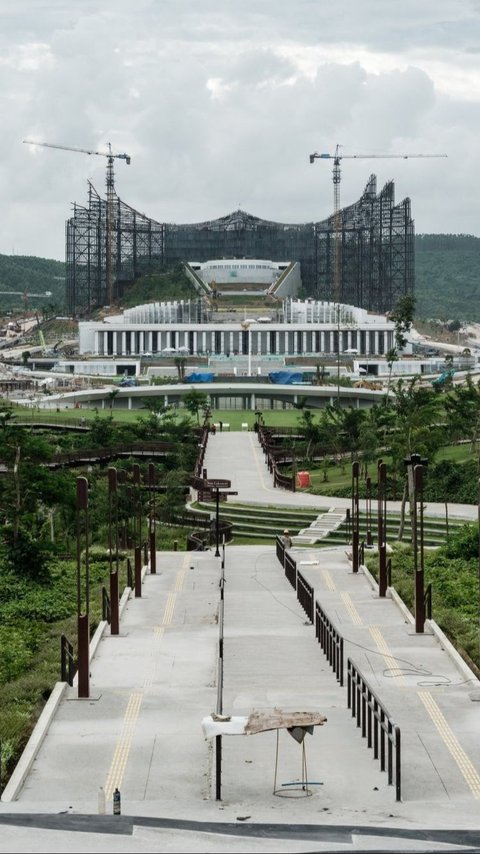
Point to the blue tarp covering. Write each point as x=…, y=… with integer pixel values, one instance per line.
x=286, y=377
x=199, y=378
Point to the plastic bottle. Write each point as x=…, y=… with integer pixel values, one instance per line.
x=116, y=802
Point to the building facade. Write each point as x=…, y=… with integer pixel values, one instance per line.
x=307, y=328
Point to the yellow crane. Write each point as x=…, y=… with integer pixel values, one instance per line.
x=110, y=183
x=336, y=175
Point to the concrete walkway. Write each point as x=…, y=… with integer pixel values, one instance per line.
x=239, y=456
x=140, y=729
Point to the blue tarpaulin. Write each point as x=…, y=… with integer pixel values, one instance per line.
x=286, y=377
x=199, y=378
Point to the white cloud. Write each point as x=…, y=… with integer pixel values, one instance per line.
x=220, y=104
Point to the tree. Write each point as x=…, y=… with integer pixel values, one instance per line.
x=402, y=316
x=194, y=401
x=26, y=355
x=180, y=363
x=111, y=397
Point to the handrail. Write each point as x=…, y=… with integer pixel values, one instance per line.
x=427, y=601
x=89, y=454
x=291, y=570
x=330, y=640
x=67, y=661
x=376, y=724
x=305, y=596
x=130, y=582
x=106, y=606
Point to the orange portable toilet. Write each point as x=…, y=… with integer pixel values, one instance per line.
x=303, y=479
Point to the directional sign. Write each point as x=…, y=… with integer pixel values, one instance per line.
x=205, y=483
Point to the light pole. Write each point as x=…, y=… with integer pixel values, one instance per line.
x=415, y=467
x=151, y=518
x=113, y=518
x=83, y=617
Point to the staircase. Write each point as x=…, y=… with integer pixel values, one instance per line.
x=321, y=527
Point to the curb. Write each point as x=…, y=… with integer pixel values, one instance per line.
x=442, y=639
x=40, y=730
x=33, y=745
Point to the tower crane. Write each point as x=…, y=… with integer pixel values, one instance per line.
x=110, y=184
x=336, y=175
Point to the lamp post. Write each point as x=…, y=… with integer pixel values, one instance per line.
x=151, y=518
x=113, y=516
x=382, y=528
x=137, y=528
x=83, y=617
x=368, y=483
x=415, y=466
x=355, y=515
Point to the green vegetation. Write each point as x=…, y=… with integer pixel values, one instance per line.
x=38, y=546
x=31, y=275
x=447, y=274
x=164, y=284
x=452, y=569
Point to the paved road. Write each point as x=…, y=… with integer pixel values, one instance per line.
x=140, y=729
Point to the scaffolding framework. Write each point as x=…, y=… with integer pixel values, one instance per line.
x=376, y=252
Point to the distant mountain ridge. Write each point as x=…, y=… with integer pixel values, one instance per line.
x=447, y=273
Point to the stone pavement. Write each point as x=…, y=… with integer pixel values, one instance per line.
x=140, y=729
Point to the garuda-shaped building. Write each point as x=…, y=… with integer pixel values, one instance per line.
x=362, y=257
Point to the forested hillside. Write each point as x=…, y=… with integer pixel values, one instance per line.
x=447, y=268
x=31, y=275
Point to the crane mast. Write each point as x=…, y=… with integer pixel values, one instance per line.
x=110, y=203
x=336, y=176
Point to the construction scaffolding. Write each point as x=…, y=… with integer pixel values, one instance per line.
x=376, y=254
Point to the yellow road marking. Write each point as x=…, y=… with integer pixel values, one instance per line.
x=259, y=470
x=355, y=616
x=390, y=660
x=464, y=764
x=124, y=743
x=122, y=750
x=329, y=582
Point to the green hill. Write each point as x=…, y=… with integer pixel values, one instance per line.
x=447, y=273
x=30, y=275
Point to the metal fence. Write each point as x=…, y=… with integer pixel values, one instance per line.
x=376, y=724
x=330, y=640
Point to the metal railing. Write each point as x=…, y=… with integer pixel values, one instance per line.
x=280, y=548
x=376, y=724
x=67, y=661
x=130, y=581
x=89, y=455
x=427, y=602
x=106, y=606
x=305, y=596
x=291, y=570
x=330, y=640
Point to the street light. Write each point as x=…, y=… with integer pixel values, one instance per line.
x=113, y=517
x=415, y=466
x=83, y=619
x=151, y=518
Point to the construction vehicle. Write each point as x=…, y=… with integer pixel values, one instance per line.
x=444, y=377
x=110, y=184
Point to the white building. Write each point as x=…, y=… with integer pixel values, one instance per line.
x=308, y=328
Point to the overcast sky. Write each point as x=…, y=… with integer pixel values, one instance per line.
x=220, y=102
